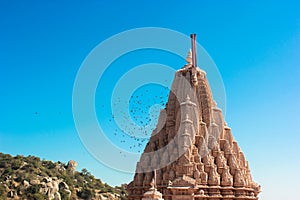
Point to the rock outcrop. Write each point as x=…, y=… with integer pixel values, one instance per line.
x=32, y=178
x=71, y=166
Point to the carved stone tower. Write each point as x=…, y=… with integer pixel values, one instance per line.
x=192, y=149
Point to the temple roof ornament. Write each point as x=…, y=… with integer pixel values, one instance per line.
x=152, y=193
x=189, y=57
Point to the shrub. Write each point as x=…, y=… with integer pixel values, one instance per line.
x=7, y=171
x=2, y=191
x=3, y=164
x=85, y=193
x=16, y=164
x=64, y=195
x=38, y=196
x=33, y=189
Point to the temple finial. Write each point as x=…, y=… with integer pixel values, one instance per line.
x=189, y=57
x=153, y=181
x=194, y=59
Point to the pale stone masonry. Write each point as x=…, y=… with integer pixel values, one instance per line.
x=192, y=149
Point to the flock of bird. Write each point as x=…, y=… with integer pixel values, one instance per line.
x=141, y=122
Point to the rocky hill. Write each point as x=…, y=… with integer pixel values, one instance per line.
x=34, y=179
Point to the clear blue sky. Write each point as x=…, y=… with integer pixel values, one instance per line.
x=255, y=45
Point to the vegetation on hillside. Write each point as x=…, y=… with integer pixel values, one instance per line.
x=32, y=178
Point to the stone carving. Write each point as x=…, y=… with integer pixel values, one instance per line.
x=152, y=193
x=152, y=183
x=166, y=176
x=239, y=180
x=204, y=177
x=171, y=175
x=199, y=156
x=201, y=193
x=184, y=181
x=174, y=155
x=147, y=178
x=145, y=161
x=232, y=164
x=214, y=177
x=208, y=163
x=138, y=179
x=197, y=175
x=165, y=158
x=154, y=161
x=242, y=160
x=226, y=179
x=221, y=160
x=203, y=174
x=159, y=177
x=227, y=148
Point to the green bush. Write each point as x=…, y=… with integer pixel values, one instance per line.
x=2, y=191
x=7, y=171
x=16, y=164
x=38, y=196
x=32, y=192
x=64, y=195
x=85, y=193
x=3, y=164
x=33, y=189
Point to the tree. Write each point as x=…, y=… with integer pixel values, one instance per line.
x=85, y=172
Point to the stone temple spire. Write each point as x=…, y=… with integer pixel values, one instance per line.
x=194, y=154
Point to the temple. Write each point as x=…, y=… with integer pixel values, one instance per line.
x=192, y=154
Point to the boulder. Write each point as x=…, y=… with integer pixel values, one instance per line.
x=71, y=167
x=34, y=182
x=26, y=184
